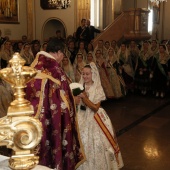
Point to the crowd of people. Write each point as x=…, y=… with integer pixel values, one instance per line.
x=77, y=131
x=66, y=143
x=131, y=66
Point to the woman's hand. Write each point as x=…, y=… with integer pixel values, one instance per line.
x=88, y=103
x=82, y=95
x=77, y=100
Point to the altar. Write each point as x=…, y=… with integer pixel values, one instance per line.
x=19, y=129
x=4, y=164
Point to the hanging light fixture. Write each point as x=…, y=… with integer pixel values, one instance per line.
x=156, y=2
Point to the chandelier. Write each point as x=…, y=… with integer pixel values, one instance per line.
x=59, y=4
x=157, y=1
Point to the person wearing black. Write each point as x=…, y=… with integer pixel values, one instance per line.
x=82, y=32
x=2, y=39
x=35, y=47
x=59, y=37
x=71, y=51
x=92, y=30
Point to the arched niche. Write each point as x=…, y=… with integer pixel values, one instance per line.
x=51, y=26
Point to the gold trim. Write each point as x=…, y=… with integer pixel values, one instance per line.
x=44, y=79
x=65, y=100
x=108, y=135
x=80, y=141
x=19, y=130
x=45, y=76
x=40, y=104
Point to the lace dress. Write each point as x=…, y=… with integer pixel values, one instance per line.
x=100, y=154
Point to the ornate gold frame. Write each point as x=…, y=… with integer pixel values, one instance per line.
x=9, y=13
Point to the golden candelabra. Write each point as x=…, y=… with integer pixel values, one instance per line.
x=20, y=130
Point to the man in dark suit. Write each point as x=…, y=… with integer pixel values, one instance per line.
x=92, y=30
x=59, y=36
x=82, y=32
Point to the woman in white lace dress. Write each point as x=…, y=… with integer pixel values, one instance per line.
x=27, y=54
x=68, y=69
x=78, y=65
x=96, y=131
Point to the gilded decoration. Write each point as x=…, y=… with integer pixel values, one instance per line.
x=19, y=130
x=9, y=11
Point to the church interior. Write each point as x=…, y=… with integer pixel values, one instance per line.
x=141, y=120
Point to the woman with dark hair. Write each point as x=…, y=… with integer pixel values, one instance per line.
x=82, y=49
x=68, y=69
x=134, y=52
x=18, y=46
x=116, y=79
x=35, y=47
x=78, y=65
x=6, y=53
x=114, y=46
x=44, y=46
x=126, y=66
x=154, y=47
x=107, y=45
x=90, y=58
x=27, y=54
x=143, y=68
x=71, y=51
x=90, y=47
x=104, y=76
x=100, y=46
x=161, y=72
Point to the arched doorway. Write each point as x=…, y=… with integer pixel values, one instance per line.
x=51, y=26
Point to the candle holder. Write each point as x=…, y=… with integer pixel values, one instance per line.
x=20, y=130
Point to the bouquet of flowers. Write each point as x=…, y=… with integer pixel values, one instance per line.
x=76, y=88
